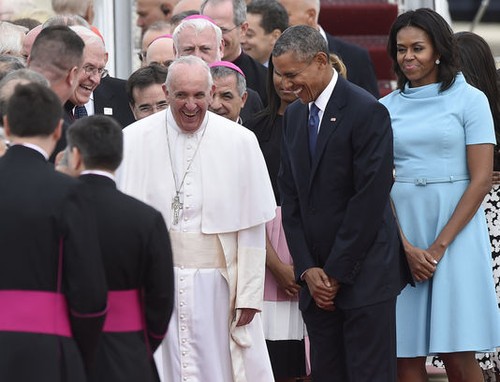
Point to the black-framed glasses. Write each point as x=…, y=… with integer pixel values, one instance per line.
x=226, y=30
x=92, y=70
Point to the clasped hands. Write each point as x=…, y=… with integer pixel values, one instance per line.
x=322, y=288
x=423, y=262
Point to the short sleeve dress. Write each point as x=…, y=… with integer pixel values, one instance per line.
x=456, y=310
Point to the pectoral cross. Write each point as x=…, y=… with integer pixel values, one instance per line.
x=176, y=207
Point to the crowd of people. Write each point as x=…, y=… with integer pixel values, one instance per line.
x=244, y=206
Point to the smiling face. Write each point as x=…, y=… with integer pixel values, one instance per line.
x=148, y=101
x=226, y=100
x=416, y=56
x=94, y=58
x=306, y=80
x=257, y=43
x=189, y=96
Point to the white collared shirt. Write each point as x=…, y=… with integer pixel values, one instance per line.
x=324, y=97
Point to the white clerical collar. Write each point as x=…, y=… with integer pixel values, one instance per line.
x=107, y=174
x=34, y=147
x=173, y=124
x=325, y=95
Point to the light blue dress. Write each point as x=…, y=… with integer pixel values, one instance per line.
x=456, y=310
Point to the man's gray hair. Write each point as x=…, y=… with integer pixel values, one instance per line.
x=301, y=40
x=239, y=9
x=191, y=61
x=72, y=7
x=88, y=36
x=66, y=19
x=11, y=38
x=20, y=76
x=223, y=71
x=199, y=25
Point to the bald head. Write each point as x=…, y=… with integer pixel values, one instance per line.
x=161, y=51
x=187, y=5
x=302, y=12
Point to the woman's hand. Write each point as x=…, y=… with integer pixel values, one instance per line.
x=285, y=277
x=422, y=263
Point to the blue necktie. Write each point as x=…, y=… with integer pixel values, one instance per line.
x=313, y=128
x=80, y=112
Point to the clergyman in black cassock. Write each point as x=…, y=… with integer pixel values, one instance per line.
x=52, y=283
x=136, y=253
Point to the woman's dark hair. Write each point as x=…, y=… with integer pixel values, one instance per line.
x=274, y=100
x=441, y=36
x=478, y=67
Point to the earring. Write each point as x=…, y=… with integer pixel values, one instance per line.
x=437, y=61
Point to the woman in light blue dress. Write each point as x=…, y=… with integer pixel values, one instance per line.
x=443, y=153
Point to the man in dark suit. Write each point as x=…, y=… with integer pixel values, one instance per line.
x=337, y=217
x=52, y=283
x=110, y=98
x=57, y=54
x=136, y=253
x=360, y=68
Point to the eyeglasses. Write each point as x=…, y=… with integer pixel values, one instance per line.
x=92, y=70
x=226, y=30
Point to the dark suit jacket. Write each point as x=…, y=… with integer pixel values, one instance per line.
x=255, y=74
x=252, y=106
x=360, y=70
x=112, y=94
x=336, y=210
x=41, y=209
x=136, y=253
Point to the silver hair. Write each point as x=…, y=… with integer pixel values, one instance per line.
x=87, y=35
x=199, y=25
x=191, y=61
x=72, y=7
x=9, y=82
x=11, y=38
x=223, y=71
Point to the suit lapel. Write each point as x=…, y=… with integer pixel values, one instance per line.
x=332, y=117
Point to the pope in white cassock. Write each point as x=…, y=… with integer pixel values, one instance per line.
x=207, y=176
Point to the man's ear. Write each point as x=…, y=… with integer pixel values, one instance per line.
x=6, y=126
x=57, y=133
x=244, y=28
x=72, y=76
x=244, y=98
x=75, y=162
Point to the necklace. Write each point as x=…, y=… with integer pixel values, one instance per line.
x=176, y=204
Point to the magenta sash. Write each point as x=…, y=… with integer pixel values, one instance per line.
x=124, y=312
x=34, y=312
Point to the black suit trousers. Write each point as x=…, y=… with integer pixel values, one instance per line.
x=354, y=345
